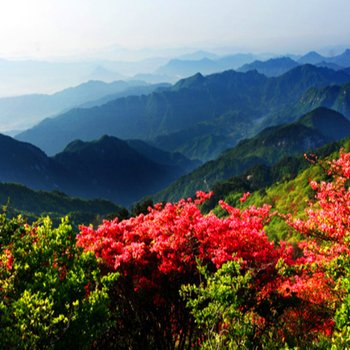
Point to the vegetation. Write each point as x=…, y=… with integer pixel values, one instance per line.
x=175, y=278
x=35, y=204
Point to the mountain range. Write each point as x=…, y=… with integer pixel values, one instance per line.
x=213, y=112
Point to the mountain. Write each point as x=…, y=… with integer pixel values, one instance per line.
x=107, y=168
x=235, y=61
x=228, y=101
x=342, y=60
x=313, y=130
x=312, y=57
x=111, y=169
x=272, y=67
x=198, y=55
x=102, y=74
x=21, y=112
x=182, y=68
x=204, y=64
x=138, y=90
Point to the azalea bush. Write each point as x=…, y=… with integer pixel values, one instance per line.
x=159, y=252
x=52, y=295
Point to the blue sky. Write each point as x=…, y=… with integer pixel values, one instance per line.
x=53, y=28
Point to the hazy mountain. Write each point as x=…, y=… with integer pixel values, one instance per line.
x=272, y=67
x=342, y=60
x=21, y=112
x=142, y=89
x=183, y=68
x=312, y=57
x=270, y=145
x=222, y=99
x=198, y=55
x=102, y=74
x=153, y=78
x=235, y=61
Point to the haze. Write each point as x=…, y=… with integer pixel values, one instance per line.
x=58, y=28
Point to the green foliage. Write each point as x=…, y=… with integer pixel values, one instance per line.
x=341, y=335
x=52, y=294
x=216, y=305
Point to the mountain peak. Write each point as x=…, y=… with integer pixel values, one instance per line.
x=330, y=123
x=192, y=81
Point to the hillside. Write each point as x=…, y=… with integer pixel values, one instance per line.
x=35, y=204
x=251, y=98
x=24, y=163
x=313, y=130
x=334, y=97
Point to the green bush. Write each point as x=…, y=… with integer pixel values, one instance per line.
x=52, y=295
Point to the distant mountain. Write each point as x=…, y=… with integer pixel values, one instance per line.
x=107, y=168
x=183, y=68
x=154, y=78
x=103, y=74
x=138, y=90
x=198, y=55
x=317, y=128
x=227, y=102
x=312, y=57
x=272, y=67
x=235, y=61
x=342, y=60
x=21, y=112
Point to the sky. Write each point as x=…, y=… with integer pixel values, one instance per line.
x=57, y=28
